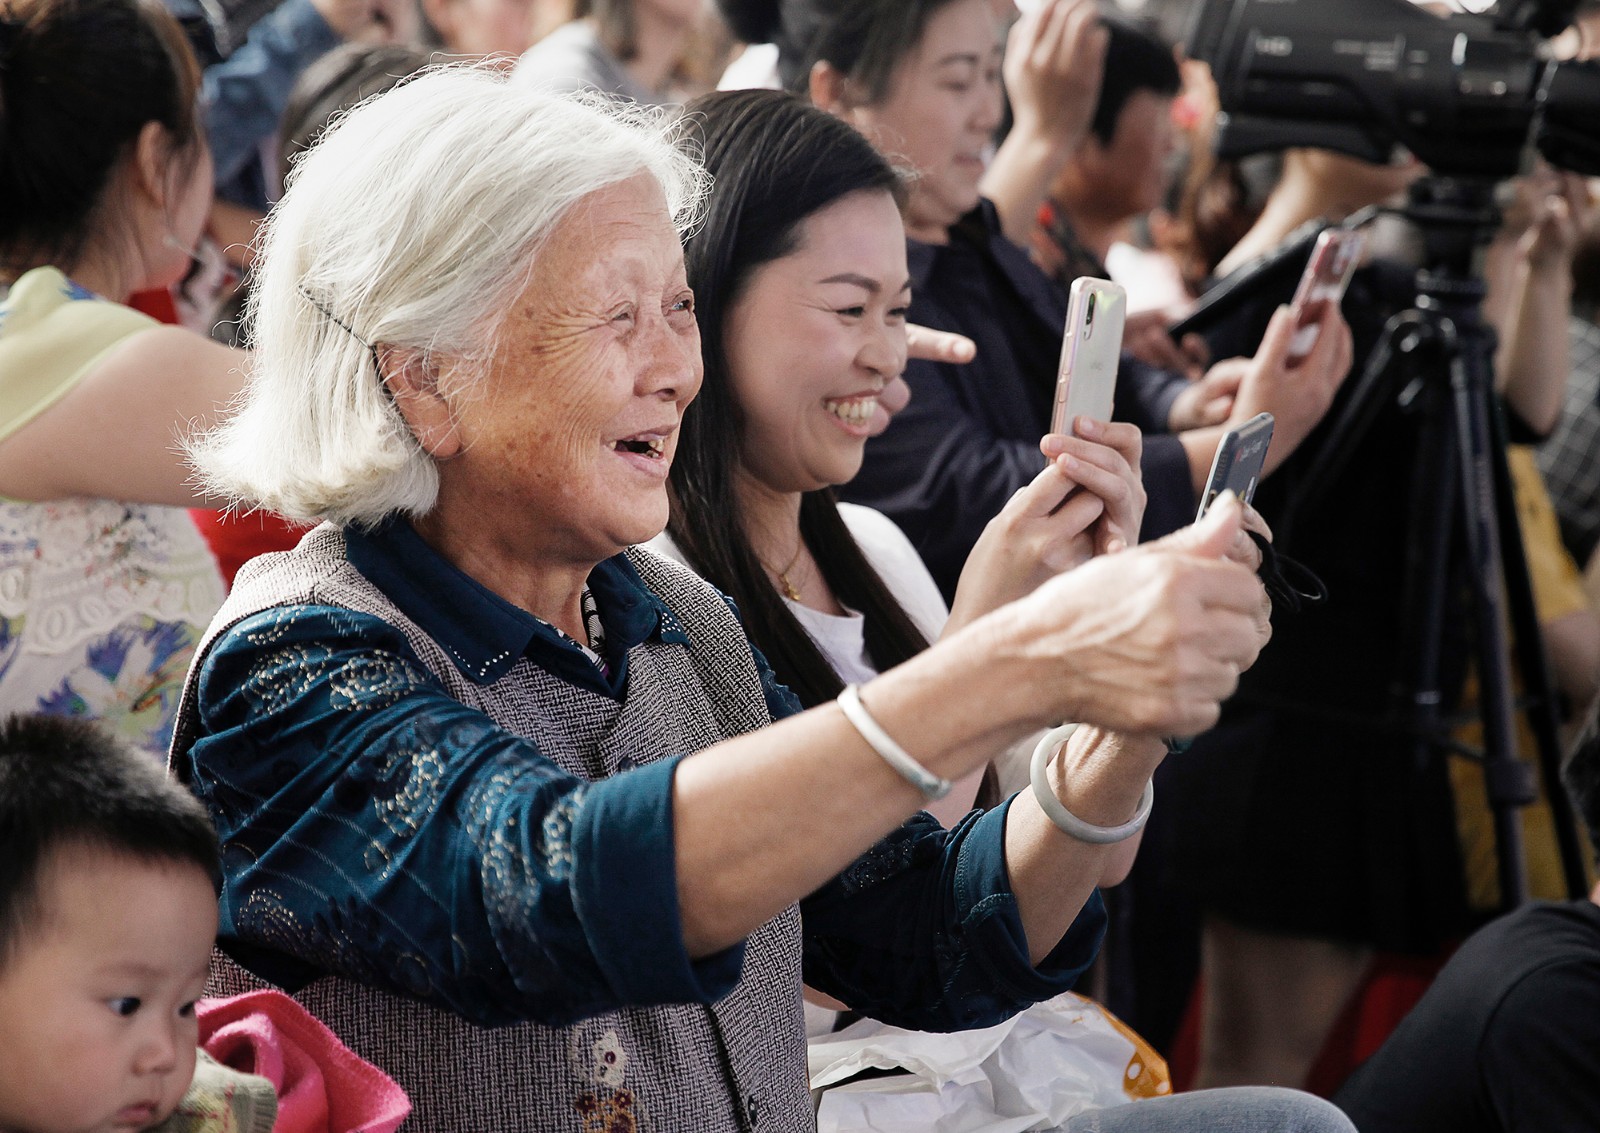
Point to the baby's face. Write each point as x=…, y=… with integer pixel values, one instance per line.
x=97, y=1025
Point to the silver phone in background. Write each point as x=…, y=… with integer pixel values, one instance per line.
x=1086, y=381
x=1241, y=455
x=1333, y=261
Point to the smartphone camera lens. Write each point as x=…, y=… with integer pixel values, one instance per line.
x=1088, y=311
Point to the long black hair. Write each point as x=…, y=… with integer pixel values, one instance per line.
x=775, y=160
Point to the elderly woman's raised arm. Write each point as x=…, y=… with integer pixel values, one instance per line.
x=1147, y=643
x=495, y=884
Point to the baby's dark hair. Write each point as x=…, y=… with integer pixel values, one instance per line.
x=70, y=783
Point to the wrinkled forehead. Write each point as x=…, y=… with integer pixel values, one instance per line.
x=622, y=229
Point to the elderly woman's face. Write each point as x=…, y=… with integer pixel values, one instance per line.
x=566, y=444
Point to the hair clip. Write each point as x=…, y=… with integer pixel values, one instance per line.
x=305, y=293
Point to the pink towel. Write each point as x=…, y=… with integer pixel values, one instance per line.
x=323, y=1086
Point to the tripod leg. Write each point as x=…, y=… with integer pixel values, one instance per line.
x=1506, y=777
x=1533, y=663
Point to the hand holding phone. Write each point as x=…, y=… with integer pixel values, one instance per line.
x=1091, y=351
x=1333, y=261
x=1237, y=465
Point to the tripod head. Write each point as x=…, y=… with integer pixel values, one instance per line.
x=1455, y=216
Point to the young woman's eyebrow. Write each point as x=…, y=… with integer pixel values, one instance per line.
x=867, y=284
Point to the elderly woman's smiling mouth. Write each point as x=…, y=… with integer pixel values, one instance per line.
x=648, y=450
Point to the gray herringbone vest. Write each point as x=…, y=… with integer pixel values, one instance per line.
x=738, y=1065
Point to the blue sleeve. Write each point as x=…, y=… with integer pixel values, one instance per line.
x=243, y=97
x=923, y=931
x=375, y=827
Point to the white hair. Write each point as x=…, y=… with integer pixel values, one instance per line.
x=411, y=223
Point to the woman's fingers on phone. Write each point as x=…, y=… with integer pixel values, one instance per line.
x=1118, y=435
x=1107, y=474
x=1043, y=495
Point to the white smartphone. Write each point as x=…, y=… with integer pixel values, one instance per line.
x=1086, y=381
x=1324, y=281
x=1241, y=455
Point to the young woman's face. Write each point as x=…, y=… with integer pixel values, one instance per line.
x=813, y=338
x=941, y=111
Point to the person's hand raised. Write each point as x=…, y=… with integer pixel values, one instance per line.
x=1055, y=56
x=1149, y=641
x=1088, y=500
x=1298, y=395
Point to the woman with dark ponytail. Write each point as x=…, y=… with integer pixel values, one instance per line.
x=105, y=183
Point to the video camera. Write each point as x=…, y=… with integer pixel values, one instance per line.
x=1465, y=93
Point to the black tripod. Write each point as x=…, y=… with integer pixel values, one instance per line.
x=1440, y=355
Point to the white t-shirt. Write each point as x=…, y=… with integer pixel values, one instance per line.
x=842, y=637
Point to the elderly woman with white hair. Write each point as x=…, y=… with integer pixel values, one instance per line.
x=497, y=791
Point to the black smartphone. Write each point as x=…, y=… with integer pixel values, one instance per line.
x=1241, y=455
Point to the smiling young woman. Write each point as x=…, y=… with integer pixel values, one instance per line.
x=801, y=266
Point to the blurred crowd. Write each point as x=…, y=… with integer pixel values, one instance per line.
x=570, y=487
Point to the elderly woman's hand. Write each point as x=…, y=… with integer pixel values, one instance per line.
x=1150, y=641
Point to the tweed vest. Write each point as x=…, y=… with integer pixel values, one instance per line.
x=736, y=1065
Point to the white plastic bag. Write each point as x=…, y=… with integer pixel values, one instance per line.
x=1032, y=1072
